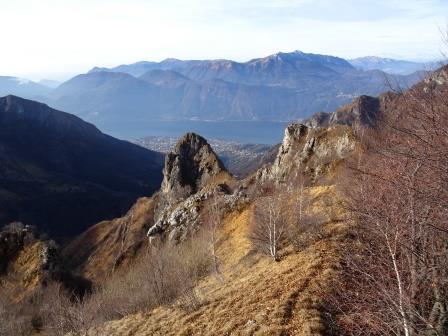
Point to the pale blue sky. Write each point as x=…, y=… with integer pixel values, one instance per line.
x=58, y=38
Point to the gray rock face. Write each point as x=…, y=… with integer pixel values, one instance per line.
x=185, y=217
x=308, y=149
x=189, y=167
x=294, y=134
x=188, y=170
x=364, y=110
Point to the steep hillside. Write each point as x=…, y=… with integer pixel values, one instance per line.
x=112, y=245
x=251, y=295
x=62, y=174
x=192, y=173
x=28, y=264
x=248, y=293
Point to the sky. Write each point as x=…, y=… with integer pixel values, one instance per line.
x=56, y=39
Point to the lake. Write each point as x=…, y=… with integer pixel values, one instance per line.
x=257, y=132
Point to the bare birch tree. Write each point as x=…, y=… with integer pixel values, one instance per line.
x=269, y=226
x=213, y=219
x=397, y=271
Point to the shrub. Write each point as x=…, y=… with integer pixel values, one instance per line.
x=15, y=319
x=162, y=276
x=307, y=231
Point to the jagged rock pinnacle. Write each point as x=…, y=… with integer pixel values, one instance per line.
x=189, y=167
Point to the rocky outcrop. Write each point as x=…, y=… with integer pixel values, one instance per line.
x=33, y=263
x=310, y=150
x=193, y=174
x=189, y=167
x=364, y=110
x=186, y=217
x=12, y=241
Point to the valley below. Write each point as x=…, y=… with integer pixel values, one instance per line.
x=239, y=158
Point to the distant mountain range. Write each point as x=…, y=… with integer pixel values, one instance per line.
x=23, y=88
x=392, y=66
x=280, y=87
x=49, y=83
x=62, y=174
x=388, y=65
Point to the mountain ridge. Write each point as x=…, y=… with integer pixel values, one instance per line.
x=392, y=66
x=279, y=87
x=10, y=85
x=62, y=174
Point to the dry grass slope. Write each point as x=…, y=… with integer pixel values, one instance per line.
x=110, y=244
x=24, y=271
x=252, y=295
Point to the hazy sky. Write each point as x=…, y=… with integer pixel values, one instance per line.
x=58, y=38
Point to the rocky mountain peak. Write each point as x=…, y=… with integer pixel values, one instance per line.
x=193, y=173
x=189, y=167
x=364, y=110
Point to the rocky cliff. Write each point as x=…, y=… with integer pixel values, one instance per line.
x=312, y=150
x=364, y=111
x=189, y=167
x=193, y=173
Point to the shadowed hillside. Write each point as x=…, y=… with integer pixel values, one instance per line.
x=62, y=174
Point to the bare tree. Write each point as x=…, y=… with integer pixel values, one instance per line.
x=268, y=226
x=397, y=272
x=213, y=222
x=302, y=200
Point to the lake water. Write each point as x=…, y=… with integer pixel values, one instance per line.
x=257, y=132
